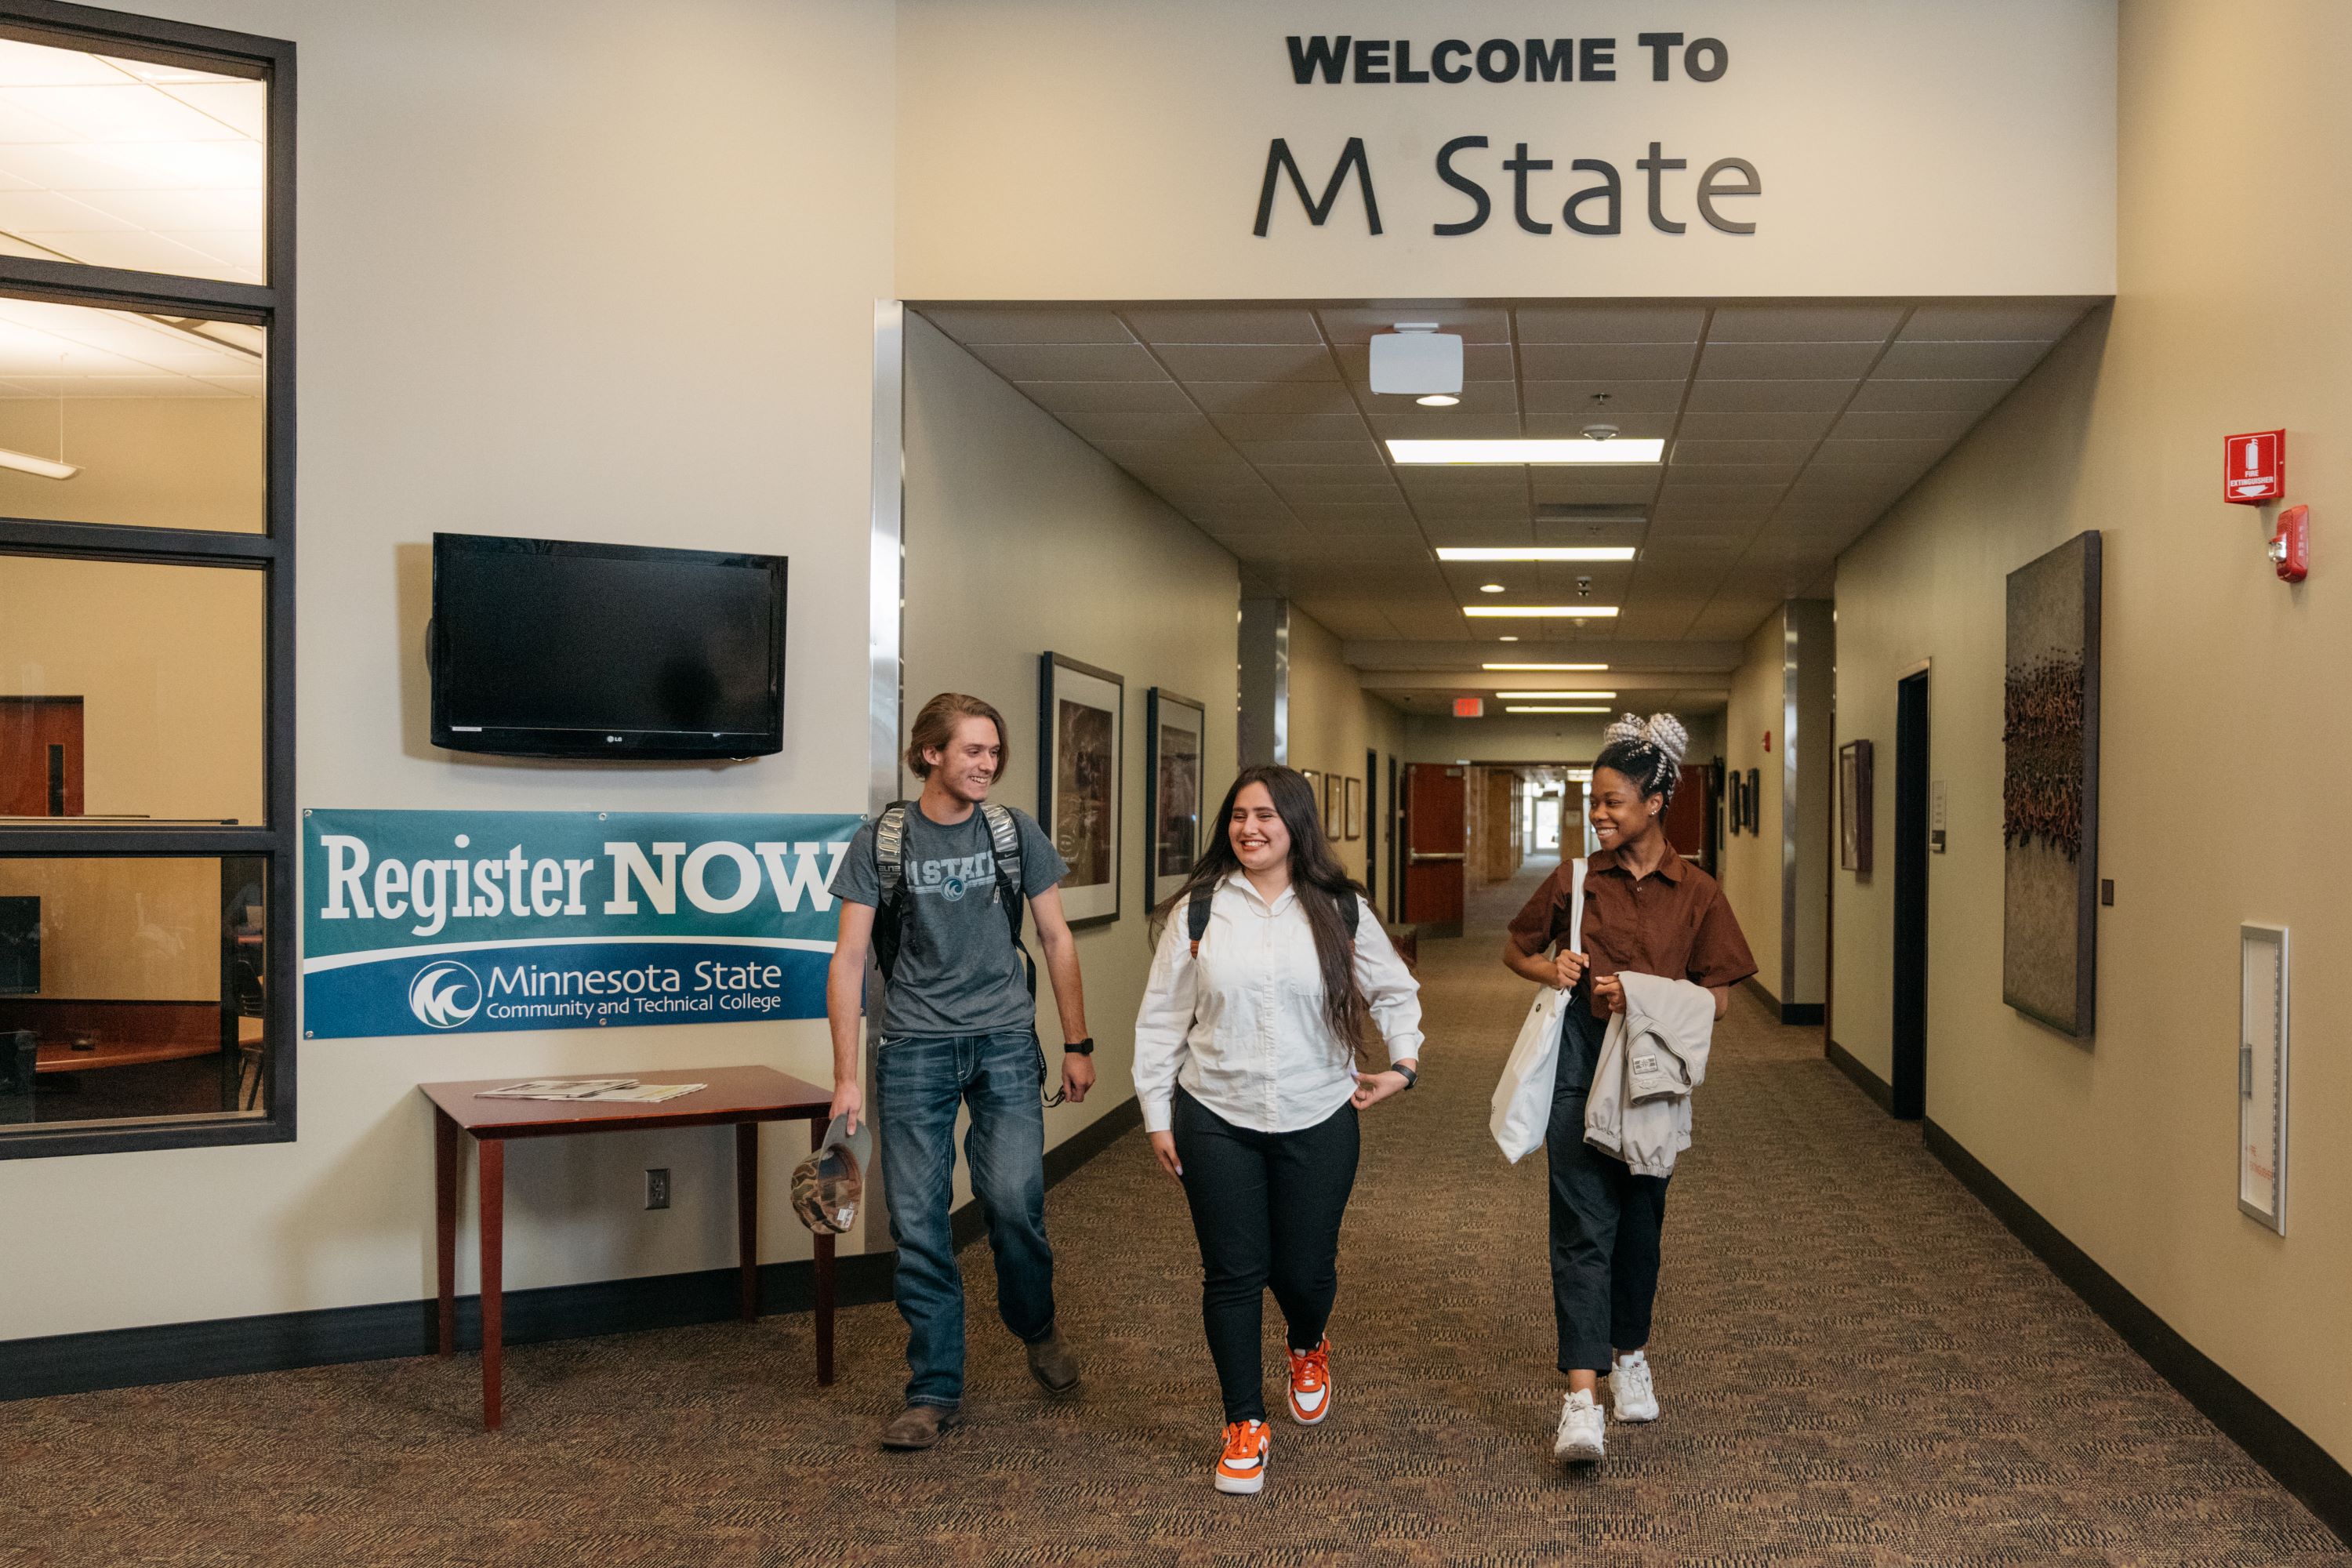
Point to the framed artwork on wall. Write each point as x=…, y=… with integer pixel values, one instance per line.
x=1351, y=815
x=2050, y=788
x=1081, y=723
x=1735, y=815
x=1174, y=733
x=1755, y=800
x=1853, y=807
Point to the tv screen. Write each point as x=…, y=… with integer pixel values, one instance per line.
x=20, y=947
x=547, y=647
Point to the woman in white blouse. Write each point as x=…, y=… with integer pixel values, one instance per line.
x=1245, y=1065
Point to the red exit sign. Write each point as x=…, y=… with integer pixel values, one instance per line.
x=2253, y=468
x=1469, y=708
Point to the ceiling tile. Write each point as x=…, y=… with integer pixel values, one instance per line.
x=1967, y=359
x=1069, y=361
x=1801, y=427
x=1604, y=362
x=1973, y=396
x=1784, y=361
x=1610, y=324
x=2018, y=321
x=1866, y=425
x=1625, y=396
x=1223, y=324
x=1809, y=322
x=1186, y=426
x=1768, y=397
x=1108, y=396
x=1687, y=451
x=1370, y=516
x=1478, y=398
x=1420, y=423
x=1918, y=454
x=1229, y=361
x=1361, y=454
x=1251, y=398
x=1253, y=426
x=1474, y=324
x=970, y=324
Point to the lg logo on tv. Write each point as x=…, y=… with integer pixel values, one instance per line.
x=444, y=995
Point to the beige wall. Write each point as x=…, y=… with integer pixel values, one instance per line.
x=1334, y=720
x=2126, y=1142
x=1114, y=148
x=1021, y=539
x=124, y=930
x=168, y=661
x=486, y=346
x=160, y=462
x=1751, y=867
x=1815, y=756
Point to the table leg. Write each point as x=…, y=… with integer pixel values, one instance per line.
x=492, y=1153
x=446, y=1153
x=822, y=1266
x=747, y=1214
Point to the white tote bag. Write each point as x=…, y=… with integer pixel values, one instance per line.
x=1522, y=1104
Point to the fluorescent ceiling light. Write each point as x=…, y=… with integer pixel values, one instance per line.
x=47, y=467
x=1516, y=710
x=1492, y=588
x=1557, y=612
x=1437, y=400
x=1543, y=667
x=1575, y=449
x=1536, y=553
x=1562, y=696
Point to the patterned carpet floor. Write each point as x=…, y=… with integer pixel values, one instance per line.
x=1858, y=1365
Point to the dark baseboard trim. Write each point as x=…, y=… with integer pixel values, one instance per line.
x=1790, y=1013
x=281, y=1342
x=1755, y=988
x=1846, y=1062
x=2299, y=1464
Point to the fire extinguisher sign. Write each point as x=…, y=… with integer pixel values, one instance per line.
x=2253, y=468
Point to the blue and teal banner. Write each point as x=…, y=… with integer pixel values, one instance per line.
x=423, y=922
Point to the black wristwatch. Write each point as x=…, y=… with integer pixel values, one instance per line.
x=1084, y=1047
x=1411, y=1077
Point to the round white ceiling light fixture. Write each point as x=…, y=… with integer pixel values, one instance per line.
x=1437, y=400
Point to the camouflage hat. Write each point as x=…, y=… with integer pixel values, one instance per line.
x=830, y=1184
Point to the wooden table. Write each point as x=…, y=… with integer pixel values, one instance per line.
x=742, y=1097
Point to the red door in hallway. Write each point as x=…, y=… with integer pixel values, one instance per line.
x=1434, y=840
x=40, y=756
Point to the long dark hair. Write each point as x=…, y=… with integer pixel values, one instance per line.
x=1323, y=889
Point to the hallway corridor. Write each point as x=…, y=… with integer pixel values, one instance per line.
x=1857, y=1364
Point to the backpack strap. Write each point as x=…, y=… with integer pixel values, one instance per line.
x=1196, y=916
x=1004, y=848
x=892, y=917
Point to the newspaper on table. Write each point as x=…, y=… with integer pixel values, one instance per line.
x=605, y=1090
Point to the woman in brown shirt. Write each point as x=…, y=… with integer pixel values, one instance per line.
x=1649, y=911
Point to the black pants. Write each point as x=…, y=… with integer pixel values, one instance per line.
x=1605, y=1221
x=1267, y=1208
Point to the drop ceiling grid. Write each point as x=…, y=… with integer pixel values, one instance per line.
x=1788, y=430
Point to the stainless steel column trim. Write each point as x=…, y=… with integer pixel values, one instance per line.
x=1791, y=653
x=887, y=558
x=1282, y=683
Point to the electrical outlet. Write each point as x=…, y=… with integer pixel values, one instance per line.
x=657, y=1187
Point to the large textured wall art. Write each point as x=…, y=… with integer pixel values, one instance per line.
x=2050, y=788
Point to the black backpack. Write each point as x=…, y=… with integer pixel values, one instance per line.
x=1196, y=916
x=893, y=916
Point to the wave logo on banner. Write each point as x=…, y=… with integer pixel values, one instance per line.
x=417, y=922
x=437, y=995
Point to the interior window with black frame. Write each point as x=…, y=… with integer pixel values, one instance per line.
x=146, y=583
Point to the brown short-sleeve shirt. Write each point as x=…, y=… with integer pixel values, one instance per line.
x=1675, y=922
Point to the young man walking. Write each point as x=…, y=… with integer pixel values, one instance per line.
x=936, y=887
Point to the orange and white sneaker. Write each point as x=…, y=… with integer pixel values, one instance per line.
x=1310, y=1384
x=1242, y=1468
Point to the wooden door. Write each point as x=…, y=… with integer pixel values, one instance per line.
x=1435, y=802
x=40, y=756
x=1688, y=814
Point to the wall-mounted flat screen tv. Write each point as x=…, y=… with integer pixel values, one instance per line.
x=20, y=946
x=544, y=647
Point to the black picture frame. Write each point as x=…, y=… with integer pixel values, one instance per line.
x=1167, y=841
x=1756, y=801
x=1855, y=792
x=1087, y=838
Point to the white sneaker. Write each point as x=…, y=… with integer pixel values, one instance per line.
x=1579, y=1440
x=1630, y=1386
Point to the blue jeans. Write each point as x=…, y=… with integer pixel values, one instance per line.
x=919, y=1081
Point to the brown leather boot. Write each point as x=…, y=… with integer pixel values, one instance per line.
x=918, y=1426
x=1052, y=1364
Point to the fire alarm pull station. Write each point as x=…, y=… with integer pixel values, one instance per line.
x=2253, y=468
x=2291, y=545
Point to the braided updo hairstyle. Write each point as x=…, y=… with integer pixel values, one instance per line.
x=1647, y=750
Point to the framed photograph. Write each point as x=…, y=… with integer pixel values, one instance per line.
x=1755, y=800
x=2050, y=789
x=1332, y=803
x=1174, y=734
x=1081, y=720
x=1352, y=814
x=1735, y=811
x=2262, y=1074
x=1853, y=807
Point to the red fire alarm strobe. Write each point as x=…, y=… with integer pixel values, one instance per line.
x=2291, y=545
x=2253, y=468
x=1469, y=708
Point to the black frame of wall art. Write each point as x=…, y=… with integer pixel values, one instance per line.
x=1050, y=666
x=269, y=306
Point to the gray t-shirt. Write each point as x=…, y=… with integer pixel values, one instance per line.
x=956, y=971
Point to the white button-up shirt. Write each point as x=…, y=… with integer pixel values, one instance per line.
x=1242, y=1026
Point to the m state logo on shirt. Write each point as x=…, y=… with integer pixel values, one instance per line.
x=953, y=877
